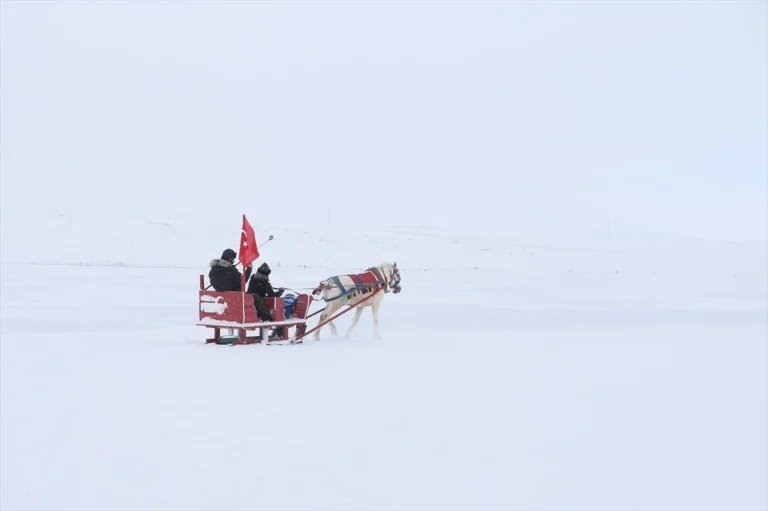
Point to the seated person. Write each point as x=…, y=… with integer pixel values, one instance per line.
x=260, y=284
x=224, y=275
x=260, y=287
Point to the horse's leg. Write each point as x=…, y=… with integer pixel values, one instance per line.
x=329, y=311
x=358, y=313
x=323, y=316
x=334, y=310
x=375, y=311
x=334, y=332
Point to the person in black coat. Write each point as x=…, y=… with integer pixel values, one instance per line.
x=260, y=285
x=224, y=275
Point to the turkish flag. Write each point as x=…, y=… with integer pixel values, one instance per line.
x=248, y=250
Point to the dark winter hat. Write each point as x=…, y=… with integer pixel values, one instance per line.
x=264, y=269
x=228, y=255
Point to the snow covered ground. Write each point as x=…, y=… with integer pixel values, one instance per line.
x=512, y=374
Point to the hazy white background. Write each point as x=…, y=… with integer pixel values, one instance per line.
x=593, y=373
x=524, y=117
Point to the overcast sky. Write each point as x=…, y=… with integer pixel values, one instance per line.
x=521, y=117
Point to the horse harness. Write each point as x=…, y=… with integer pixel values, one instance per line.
x=361, y=285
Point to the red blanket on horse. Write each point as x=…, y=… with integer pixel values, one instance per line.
x=365, y=282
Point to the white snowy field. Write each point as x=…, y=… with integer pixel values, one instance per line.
x=511, y=375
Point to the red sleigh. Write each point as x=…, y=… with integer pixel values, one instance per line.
x=234, y=311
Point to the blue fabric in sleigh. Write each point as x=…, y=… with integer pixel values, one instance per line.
x=288, y=303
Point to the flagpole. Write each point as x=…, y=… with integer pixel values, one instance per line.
x=242, y=288
x=243, y=233
x=250, y=251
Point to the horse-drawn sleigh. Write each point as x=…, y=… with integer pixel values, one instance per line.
x=234, y=311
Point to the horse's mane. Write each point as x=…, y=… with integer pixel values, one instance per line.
x=385, y=264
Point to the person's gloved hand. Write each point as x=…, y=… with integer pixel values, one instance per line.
x=280, y=290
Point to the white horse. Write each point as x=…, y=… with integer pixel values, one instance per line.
x=344, y=290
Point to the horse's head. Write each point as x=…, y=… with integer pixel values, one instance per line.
x=392, y=276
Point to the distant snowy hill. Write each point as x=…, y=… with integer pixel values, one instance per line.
x=192, y=242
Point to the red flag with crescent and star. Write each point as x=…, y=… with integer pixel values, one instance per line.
x=248, y=250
